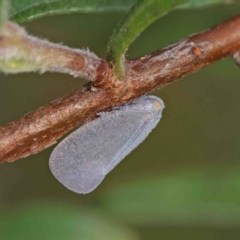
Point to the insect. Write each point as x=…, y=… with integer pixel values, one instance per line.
x=82, y=160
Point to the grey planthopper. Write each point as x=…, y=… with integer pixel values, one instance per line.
x=82, y=160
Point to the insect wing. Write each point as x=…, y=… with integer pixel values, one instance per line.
x=82, y=160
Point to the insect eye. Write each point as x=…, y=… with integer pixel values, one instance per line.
x=157, y=105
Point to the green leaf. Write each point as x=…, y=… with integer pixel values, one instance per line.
x=26, y=10
x=54, y=221
x=139, y=17
x=191, y=198
x=205, y=3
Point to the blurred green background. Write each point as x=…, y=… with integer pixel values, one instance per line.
x=183, y=182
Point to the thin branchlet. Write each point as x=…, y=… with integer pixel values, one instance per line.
x=20, y=52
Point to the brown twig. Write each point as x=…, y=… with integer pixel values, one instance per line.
x=40, y=129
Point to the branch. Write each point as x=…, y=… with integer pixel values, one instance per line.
x=40, y=129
